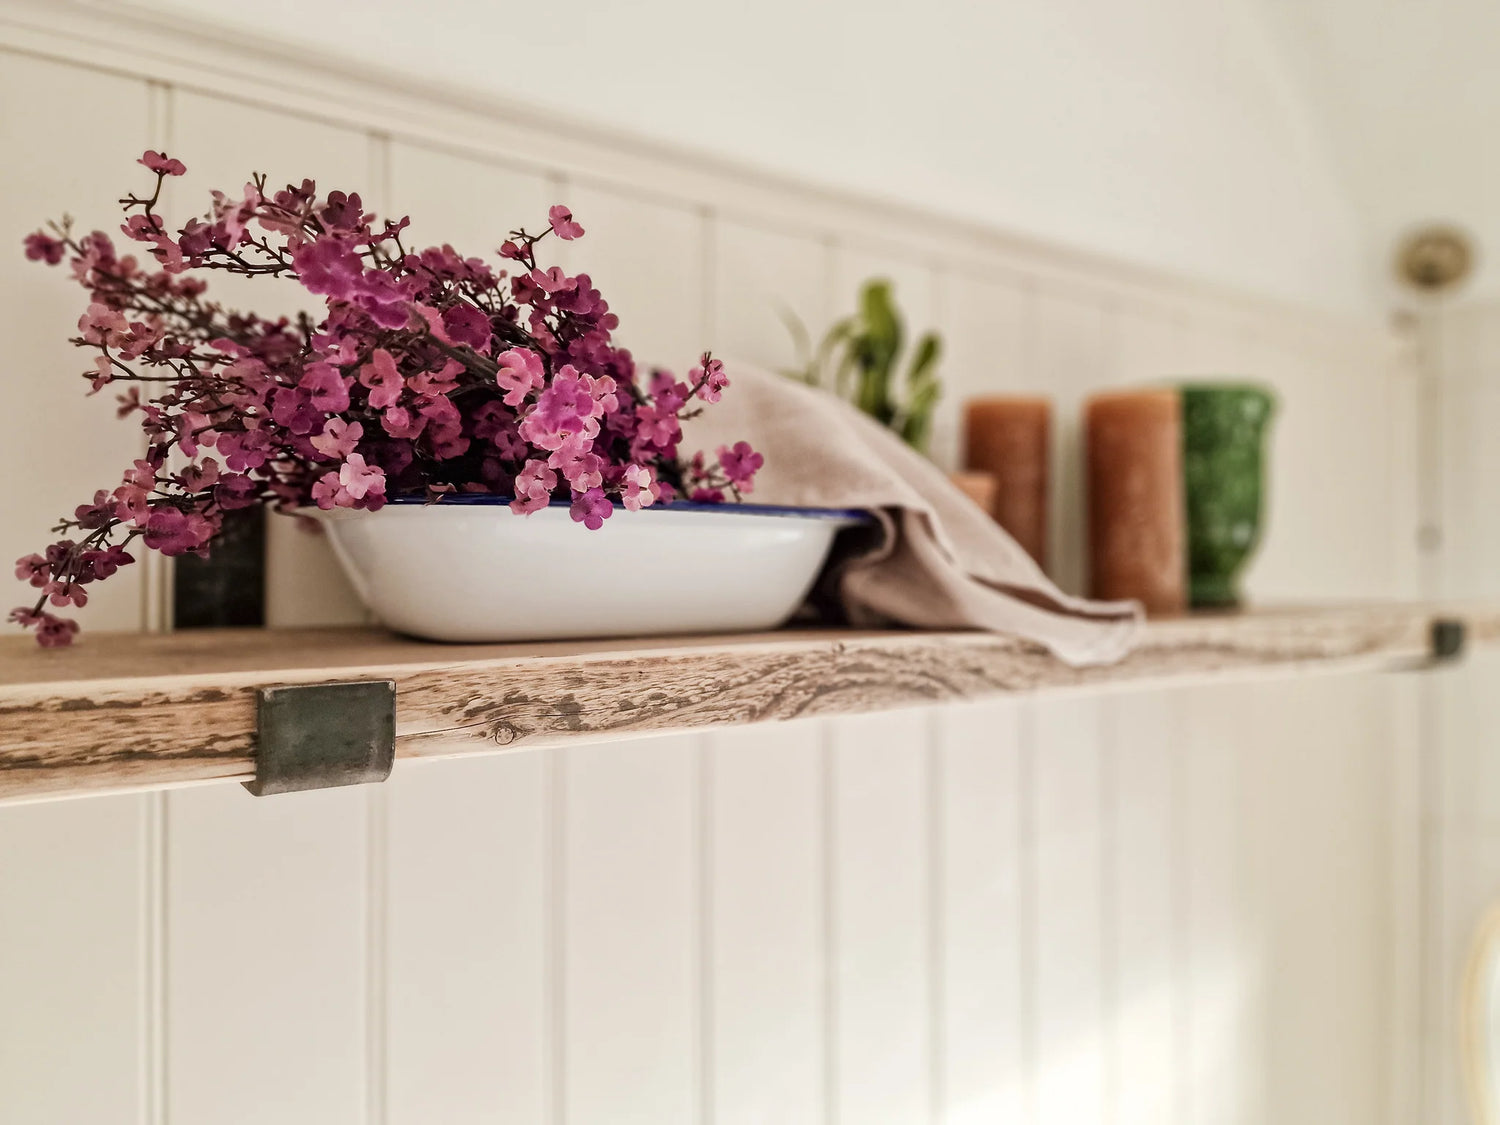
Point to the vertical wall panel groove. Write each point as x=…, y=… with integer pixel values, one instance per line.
x=828, y=780
x=1029, y=924
x=703, y=945
x=555, y=965
x=376, y=967
x=936, y=929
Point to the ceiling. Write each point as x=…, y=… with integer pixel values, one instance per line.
x=1407, y=94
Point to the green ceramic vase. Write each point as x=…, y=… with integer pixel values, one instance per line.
x=1223, y=437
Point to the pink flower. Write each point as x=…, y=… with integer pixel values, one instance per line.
x=53, y=631
x=338, y=438
x=161, y=162
x=42, y=247
x=33, y=569
x=96, y=515
x=669, y=395
x=740, y=464
x=562, y=223
x=104, y=326
x=236, y=492
x=175, y=532
x=467, y=325
x=327, y=389
x=591, y=509
x=551, y=281
x=534, y=485
x=328, y=267
x=327, y=491
x=521, y=372
x=400, y=422
x=441, y=382
x=709, y=379
x=656, y=429
x=360, y=480
x=576, y=460
x=384, y=381
x=566, y=407
x=641, y=489
x=246, y=451
x=196, y=478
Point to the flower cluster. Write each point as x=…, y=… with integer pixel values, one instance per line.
x=431, y=373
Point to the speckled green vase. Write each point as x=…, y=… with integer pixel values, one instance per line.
x=1223, y=460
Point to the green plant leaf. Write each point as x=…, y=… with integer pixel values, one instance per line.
x=916, y=425
x=929, y=350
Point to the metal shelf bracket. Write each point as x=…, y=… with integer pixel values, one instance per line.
x=1449, y=638
x=317, y=736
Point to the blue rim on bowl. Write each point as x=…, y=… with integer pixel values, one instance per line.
x=486, y=499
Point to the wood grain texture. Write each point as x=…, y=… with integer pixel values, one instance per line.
x=126, y=712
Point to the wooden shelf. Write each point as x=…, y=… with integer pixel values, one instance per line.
x=124, y=711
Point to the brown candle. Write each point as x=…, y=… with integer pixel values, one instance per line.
x=978, y=487
x=1009, y=437
x=1137, y=526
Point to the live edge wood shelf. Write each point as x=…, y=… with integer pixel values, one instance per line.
x=124, y=711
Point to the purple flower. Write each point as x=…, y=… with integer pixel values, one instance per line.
x=327, y=389
x=467, y=325
x=566, y=407
x=33, y=569
x=42, y=247
x=53, y=631
x=709, y=379
x=740, y=464
x=97, y=515
x=670, y=396
x=591, y=509
x=551, y=280
x=175, y=532
x=162, y=163
x=196, y=478
x=562, y=223
x=236, y=491
x=328, y=267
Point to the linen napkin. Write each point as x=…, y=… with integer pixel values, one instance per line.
x=933, y=559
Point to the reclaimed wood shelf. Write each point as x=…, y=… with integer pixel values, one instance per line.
x=124, y=712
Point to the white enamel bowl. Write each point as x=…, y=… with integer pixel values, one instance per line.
x=469, y=569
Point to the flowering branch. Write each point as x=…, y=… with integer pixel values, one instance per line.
x=430, y=373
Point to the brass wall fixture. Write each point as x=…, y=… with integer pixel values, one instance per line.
x=1435, y=258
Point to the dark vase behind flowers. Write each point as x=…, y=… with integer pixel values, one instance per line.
x=431, y=373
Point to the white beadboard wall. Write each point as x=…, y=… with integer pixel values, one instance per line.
x=1461, y=798
x=1188, y=907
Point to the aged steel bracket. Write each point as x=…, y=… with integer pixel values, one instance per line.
x=317, y=736
x=1448, y=640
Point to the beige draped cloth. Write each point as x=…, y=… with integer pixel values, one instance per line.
x=933, y=560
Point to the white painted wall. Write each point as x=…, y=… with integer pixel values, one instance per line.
x=1461, y=348
x=1182, y=907
x=1163, y=131
x=1406, y=96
